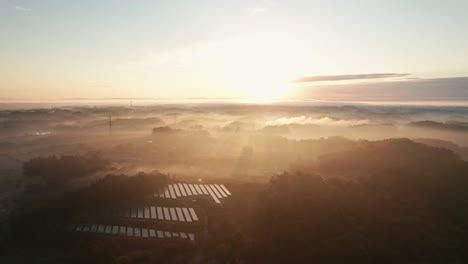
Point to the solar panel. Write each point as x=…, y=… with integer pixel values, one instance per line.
x=225, y=189
x=160, y=213
x=180, y=214
x=161, y=194
x=129, y=231
x=79, y=228
x=213, y=195
x=153, y=212
x=191, y=236
x=115, y=230
x=166, y=193
x=183, y=235
x=187, y=189
x=160, y=234
x=181, y=188
x=193, y=214
x=133, y=213
x=199, y=191
x=173, y=214
x=202, y=187
x=176, y=189
x=136, y=232
x=108, y=229
x=156, y=194
x=166, y=214
x=167, y=234
x=101, y=228
x=221, y=191
x=152, y=233
x=215, y=191
x=172, y=192
x=194, y=192
x=144, y=232
x=94, y=228
x=175, y=234
x=122, y=230
x=187, y=214
x=147, y=212
x=140, y=212
x=127, y=212
x=86, y=228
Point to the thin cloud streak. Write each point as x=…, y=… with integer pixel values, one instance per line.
x=256, y=10
x=331, y=78
x=22, y=8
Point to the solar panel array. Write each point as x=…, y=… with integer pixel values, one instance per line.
x=176, y=190
x=128, y=231
x=180, y=214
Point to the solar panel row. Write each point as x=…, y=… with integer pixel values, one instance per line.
x=132, y=231
x=180, y=214
x=172, y=191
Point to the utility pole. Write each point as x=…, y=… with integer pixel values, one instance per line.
x=110, y=124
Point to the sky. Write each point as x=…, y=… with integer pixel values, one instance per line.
x=255, y=50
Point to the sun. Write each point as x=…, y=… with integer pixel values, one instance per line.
x=259, y=68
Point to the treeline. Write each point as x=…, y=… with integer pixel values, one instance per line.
x=403, y=202
x=59, y=169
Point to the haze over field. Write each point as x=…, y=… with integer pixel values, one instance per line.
x=233, y=132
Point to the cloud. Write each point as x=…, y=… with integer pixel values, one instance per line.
x=327, y=78
x=324, y=121
x=252, y=11
x=22, y=8
x=443, y=89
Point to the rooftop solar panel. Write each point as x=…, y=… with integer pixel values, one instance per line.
x=183, y=235
x=86, y=228
x=167, y=234
x=94, y=228
x=133, y=214
x=101, y=228
x=152, y=233
x=215, y=190
x=79, y=228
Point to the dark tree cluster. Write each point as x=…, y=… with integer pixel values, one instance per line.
x=60, y=169
x=404, y=203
